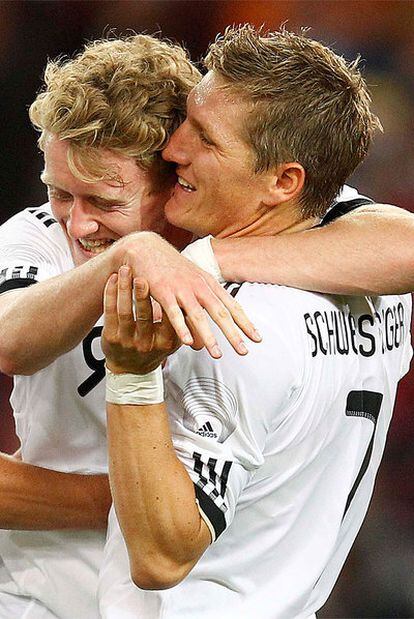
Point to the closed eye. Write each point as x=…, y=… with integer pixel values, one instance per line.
x=57, y=195
x=104, y=205
x=206, y=140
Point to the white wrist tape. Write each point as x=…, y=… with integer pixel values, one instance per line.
x=135, y=388
x=201, y=253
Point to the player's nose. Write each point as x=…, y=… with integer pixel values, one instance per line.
x=179, y=147
x=81, y=221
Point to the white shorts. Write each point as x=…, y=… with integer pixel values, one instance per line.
x=15, y=607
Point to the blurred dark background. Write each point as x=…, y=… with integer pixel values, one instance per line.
x=378, y=579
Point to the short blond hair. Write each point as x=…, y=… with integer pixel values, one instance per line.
x=309, y=106
x=127, y=95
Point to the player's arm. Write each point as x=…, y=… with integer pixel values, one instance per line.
x=154, y=497
x=34, y=498
x=368, y=251
x=41, y=322
x=153, y=494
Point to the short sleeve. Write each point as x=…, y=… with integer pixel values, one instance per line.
x=32, y=249
x=222, y=411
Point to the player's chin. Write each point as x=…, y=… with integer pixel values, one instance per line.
x=178, y=213
x=172, y=214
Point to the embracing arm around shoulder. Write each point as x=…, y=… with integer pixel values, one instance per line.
x=367, y=251
x=35, y=498
x=43, y=321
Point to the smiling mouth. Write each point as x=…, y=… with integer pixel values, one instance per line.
x=184, y=185
x=95, y=246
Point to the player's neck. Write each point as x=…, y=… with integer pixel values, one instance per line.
x=282, y=219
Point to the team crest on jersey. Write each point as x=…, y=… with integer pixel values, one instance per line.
x=210, y=408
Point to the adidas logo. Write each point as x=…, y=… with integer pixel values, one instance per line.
x=207, y=431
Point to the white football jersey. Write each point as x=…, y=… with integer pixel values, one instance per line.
x=283, y=447
x=60, y=420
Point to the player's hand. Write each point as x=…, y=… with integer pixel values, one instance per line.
x=135, y=346
x=187, y=294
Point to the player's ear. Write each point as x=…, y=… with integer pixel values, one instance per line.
x=285, y=182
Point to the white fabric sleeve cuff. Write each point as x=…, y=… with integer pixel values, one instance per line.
x=201, y=253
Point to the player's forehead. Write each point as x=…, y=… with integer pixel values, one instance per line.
x=211, y=92
x=215, y=108
x=123, y=173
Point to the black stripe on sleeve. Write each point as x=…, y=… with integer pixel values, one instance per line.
x=211, y=469
x=211, y=511
x=198, y=466
x=43, y=216
x=49, y=222
x=225, y=477
x=342, y=208
x=14, y=284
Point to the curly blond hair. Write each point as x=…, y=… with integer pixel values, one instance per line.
x=308, y=105
x=127, y=95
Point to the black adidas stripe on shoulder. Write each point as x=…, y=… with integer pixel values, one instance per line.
x=210, y=489
x=342, y=208
x=43, y=216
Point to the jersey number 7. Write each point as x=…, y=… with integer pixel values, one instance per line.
x=363, y=404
